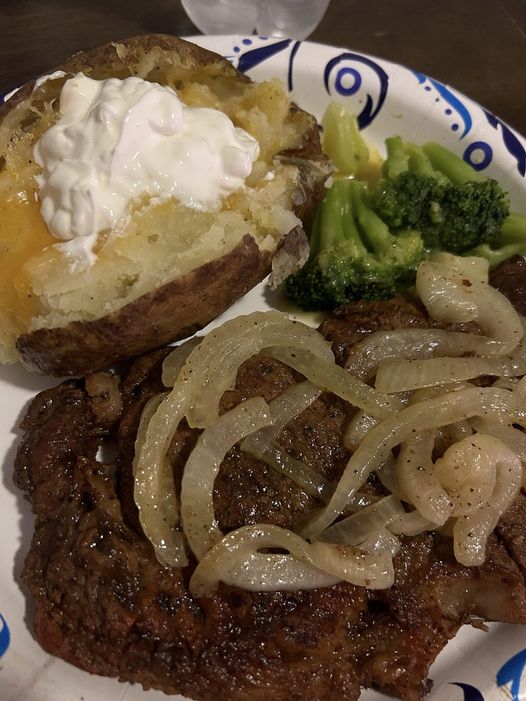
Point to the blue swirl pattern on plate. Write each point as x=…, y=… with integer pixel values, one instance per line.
x=5, y=636
x=454, y=102
x=351, y=68
x=511, y=673
x=471, y=693
x=511, y=141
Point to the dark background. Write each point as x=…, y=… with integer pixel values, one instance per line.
x=478, y=46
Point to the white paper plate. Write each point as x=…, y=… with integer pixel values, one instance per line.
x=388, y=99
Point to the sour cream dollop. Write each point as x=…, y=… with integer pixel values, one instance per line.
x=116, y=140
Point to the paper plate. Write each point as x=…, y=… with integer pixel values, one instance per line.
x=388, y=99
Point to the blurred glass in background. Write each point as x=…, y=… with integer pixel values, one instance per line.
x=296, y=19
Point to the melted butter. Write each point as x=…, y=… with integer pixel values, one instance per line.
x=24, y=236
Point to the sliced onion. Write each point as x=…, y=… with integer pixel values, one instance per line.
x=429, y=414
x=230, y=558
x=381, y=542
x=154, y=488
x=333, y=378
x=217, y=359
x=286, y=406
x=472, y=530
x=173, y=363
x=505, y=382
x=414, y=344
x=239, y=339
x=417, y=478
x=386, y=473
x=467, y=472
x=197, y=486
x=263, y=446
x=268, y=572
x=514, y=438
x=355, y=529
x=411, y=523
x=268, y=451
x=473, y=268
x=407, y=375
x=450, y=296
x=520, y=387
x=357, y=428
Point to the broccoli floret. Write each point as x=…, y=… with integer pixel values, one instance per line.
x=474, y=213
x=353, y=253
x=411, y=201
x=453, y=206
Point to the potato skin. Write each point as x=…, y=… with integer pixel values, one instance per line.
x=176, y=310
x=182, y=306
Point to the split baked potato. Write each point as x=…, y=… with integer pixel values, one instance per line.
x=173, y=269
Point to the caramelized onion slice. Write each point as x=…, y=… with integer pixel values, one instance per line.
x=467, y=472
x=216, y=360
x=263, y=446
x=514, y=438
x=335, y=379
x=197, y=503
x=154, y=489
x=407, y=375
x=417, y=478
x=357, y=428
x=451, y=296
x=411, y=523
x=231, y=557
x=355, y=529
x=430, y=414
x=174, y=362
x=474, y=525
x=286, y=406
x=414, y=344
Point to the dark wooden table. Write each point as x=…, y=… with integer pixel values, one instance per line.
x=478, y=46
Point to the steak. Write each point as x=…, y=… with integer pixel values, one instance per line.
x=105, y=604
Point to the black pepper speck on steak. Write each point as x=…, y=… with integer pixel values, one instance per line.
x=105, y=604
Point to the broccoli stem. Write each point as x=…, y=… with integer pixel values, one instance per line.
x=397, y=160
x=350, y=229
x=331, y=211
x=315, y=234
x=342, y=140
x=375, y=232
x=451, y=165
x=497, y=255
x=334, y=221
x=510, y=242
x=420, y=163
x=513, y=231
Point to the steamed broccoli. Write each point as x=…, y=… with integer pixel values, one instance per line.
x=342, y=140
x=510, y=241
x=353, y=253
x=367, y=240
x=432, y=190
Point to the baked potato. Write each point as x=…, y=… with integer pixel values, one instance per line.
x=172, y=269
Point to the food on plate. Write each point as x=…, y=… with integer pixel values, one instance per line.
x=353, y=254
x=144, y=187
x=370, y=233
x=290, y=527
